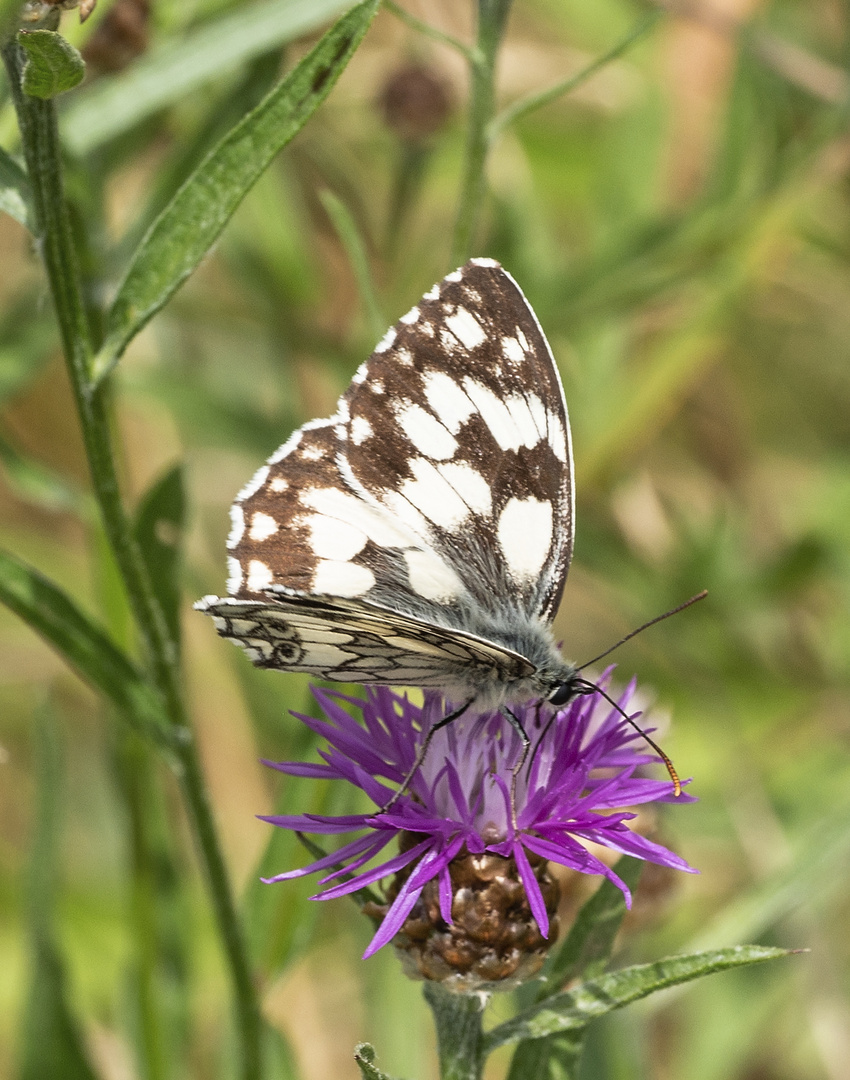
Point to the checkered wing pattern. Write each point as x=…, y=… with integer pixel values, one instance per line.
x=427, y=527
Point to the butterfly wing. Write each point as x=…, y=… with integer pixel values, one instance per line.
x=442, y=488
x=355, y=641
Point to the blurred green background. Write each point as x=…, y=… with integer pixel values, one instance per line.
x=681, y=225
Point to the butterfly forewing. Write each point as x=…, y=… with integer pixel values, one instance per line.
x=458, y=427
x=439, y=494
x=444, y=476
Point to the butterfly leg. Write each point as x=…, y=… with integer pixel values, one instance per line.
x=422, y=751
x=513, y=720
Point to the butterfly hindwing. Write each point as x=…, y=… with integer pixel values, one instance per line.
x=355, y=641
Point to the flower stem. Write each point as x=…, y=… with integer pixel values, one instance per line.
x=40, y=141
x=492, y=17
x=459, y=1035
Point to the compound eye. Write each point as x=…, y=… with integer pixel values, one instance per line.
x=563, y=693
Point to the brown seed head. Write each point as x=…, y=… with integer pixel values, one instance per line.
x=493, y=941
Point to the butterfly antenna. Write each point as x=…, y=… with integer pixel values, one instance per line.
x=671, y=769
x=658, y=618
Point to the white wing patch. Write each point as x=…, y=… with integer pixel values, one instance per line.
x=331, y=538
x=431, y=577
x=450, y=404
x=340, y=506
x=470, y=486
x=361, y=430
x=335, y=577
x=525, y=536
x=426, y=433
x=433, y=495
x=259, y=576
x=262, y=526
x=466, y=328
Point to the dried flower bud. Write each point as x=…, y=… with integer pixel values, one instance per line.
x=415, y=102
x=121, y=36
x=493, y=940
x=41, y=11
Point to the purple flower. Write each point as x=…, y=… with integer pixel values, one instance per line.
x=581, y=773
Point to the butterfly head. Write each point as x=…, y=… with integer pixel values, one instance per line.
x=571, y=687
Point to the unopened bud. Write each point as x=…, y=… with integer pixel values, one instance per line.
x=415, y=102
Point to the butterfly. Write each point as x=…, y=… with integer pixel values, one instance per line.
x=422, y=535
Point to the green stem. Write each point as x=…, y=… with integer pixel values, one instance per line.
x=428, y=31
x=40, y=141
x=534, y=101
x=492, y=17
x=459, y=1035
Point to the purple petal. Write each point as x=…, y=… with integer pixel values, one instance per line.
x=532, y=888
x=391, y=866
x=314, y=823
x=372, y=843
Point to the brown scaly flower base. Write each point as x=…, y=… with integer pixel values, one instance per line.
x=493, y=943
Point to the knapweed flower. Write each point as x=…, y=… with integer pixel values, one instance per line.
x=470, y=895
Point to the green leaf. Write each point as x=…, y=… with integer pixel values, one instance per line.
x=83, y=645
x=15, y=196
x=110, y=106
x=51, y=1042
x=588, y=945
x=53, y=64
x=159, y=525
x=555, y=1057
x=193, y=221
x=585, y=951
x=364, y=1055
x=575, y=1009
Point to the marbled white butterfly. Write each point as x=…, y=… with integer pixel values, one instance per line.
x=422, y=535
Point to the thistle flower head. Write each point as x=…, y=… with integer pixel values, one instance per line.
x=456, y=817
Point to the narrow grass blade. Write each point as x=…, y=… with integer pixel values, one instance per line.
x=355, y=249
x=52, y=614
x=159, y=530
x=51, y=1040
